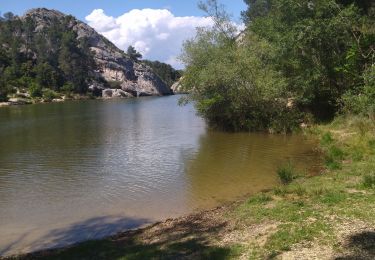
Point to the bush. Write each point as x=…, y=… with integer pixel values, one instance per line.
x=67, y=87
x=286, y=173
x=35, y=90
x=362, y=101
x=49, y=95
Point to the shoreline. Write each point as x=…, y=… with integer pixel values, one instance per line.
x=23, y=101
x=201, y=216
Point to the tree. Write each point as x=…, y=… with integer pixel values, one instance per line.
x=133, y=54
x=9, y=16
x=231, y=84
x=323, y=47
x=165, y=71
x=72, y=62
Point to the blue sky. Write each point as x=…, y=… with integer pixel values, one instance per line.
x=117, y=7
x=156, y=28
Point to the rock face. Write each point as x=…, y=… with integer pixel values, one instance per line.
x=115, y=93
x=113, y=65
x=177, y=88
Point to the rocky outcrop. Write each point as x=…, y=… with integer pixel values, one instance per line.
x=113, y=65
x=177, y=88
x=115, y=93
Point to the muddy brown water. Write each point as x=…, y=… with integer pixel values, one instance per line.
x=83, y=170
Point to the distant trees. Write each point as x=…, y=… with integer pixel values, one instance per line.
x=51, y=58
x=165, y=71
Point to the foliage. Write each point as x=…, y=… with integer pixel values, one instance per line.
x=49, y=95
x=68, y=87
x=362, y=101
x=133, y=54
x=286, y=173
x=295, y=61
x=232, y=84
x=50, y=58
x=35, y=90
x=165, y=71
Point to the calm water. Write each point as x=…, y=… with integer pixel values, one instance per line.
x=80, y=170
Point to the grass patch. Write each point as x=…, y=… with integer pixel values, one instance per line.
x=369, y=181
x=326, y=139
x=259, y=199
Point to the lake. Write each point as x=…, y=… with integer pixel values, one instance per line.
x=81, y=170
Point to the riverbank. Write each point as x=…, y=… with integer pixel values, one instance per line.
x=26, y=100
x=329, y=216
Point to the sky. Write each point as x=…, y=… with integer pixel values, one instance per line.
x=156, y=28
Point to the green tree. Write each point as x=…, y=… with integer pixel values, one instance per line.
x=231, y=84
x=323, y=48
x=165, y=71
x=133, y=54
x=72, y=62
x=46, y=76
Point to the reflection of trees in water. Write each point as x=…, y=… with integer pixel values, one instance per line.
x=43, y=150
x=229, y=165
x=50, y=131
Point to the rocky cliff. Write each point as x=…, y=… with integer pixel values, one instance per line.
x=113, y=66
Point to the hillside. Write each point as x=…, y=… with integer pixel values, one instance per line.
x=48, y=50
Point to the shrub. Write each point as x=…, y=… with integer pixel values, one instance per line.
x=49, y=95
x=68, y=87
x=286, y=173
x=35, y=90
x=369, y=181
x=362, y=101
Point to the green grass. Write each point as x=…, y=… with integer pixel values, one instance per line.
x=309, y=209
x=369, y=181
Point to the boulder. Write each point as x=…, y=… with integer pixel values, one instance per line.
x=115, y=93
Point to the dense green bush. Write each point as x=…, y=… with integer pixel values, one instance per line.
x=232, y=85
x=67, y=87
x=35, y=90
x=49, y=95
x=362, y=100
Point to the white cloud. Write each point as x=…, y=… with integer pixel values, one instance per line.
x=156, y=33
